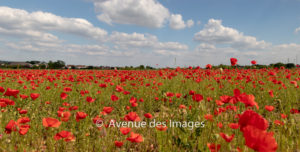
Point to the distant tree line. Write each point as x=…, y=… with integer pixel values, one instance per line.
x=59, y=64
x=258, y=66
x=33, y=65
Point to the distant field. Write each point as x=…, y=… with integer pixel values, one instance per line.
x=198, y=110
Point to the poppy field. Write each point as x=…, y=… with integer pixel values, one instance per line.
x=78, y=110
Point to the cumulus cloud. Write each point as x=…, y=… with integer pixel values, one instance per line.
x=215, y=33
x=190, y=23
x=41, y=24
x=297, y=30
x=33, y=37
x=219, y=43
x=147, y=13
x=176, y=22
x=142, y=41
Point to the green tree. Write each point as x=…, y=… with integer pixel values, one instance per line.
x=290, y=65
x=56, y=65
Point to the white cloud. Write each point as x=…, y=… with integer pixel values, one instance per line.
x=176, y=22
x=297, y=30
x=215, y=33
x=33, y=37
x=33, y=34
x=147, y=13
x=190, y=23
x=143, y=41
x=216, y=55
x=205, y=46
x=41, y=24
x=168, y=53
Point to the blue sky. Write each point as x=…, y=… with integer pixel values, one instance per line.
x=150, y=32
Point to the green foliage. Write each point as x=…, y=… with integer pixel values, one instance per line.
x=56, y=65
x=33, y=62
x=290, y=65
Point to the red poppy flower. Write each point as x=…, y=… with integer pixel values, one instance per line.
x=23, y=129
x=119, y=143
x=4, y=102
x=182, y=106
x=66, y=104
x=126, y=92
x=132, y=116
x=11, y=126
x=23, y=120
x=197, y=97
x=278, y=122
x=220, y=125
x=250, y=117
x=223, y=99
x=271, y=93
x=294, y=111
x=11, y=92
x=119, y=88
x=253, y=62
x=90, y=99
x=134, y=104
x=269, y=108
x=135, y=138
x=125, y=131
x=34, y=96
x=209, y=117
x=2, y=89
x=234, y=125
x=208, y=66
x=80, y=115
x=102, y=85
x=283, y=116
x=22, y=111
x=64, y=116
x=233, y=61
x=51, y=122
x=161, y=127
x=114, y=98
x=73, y=108
x=23, y=96
x=107, y=110
x=248, y=100
x=68, y=136
x=213, y=147
x=97, y=120
x=148, y=115
x=169, y=94
x=67, y=89
x=259, y=140
x=294, y=83
x=133, y=100
x=63, y=96
x=178, y=95
x=226, y=137
x=191, y=92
